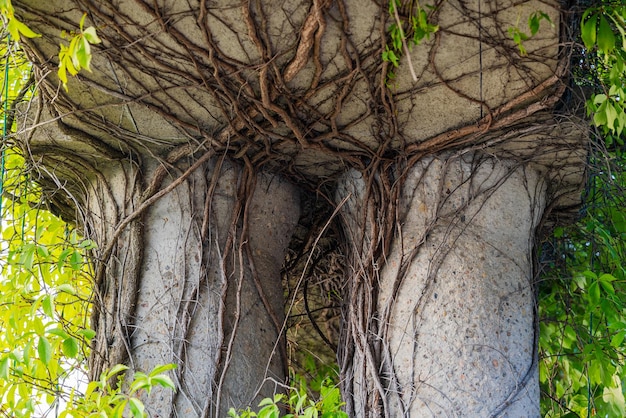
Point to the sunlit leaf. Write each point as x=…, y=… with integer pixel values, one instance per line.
x=588, y=31
x=70, y=347
x=606, y=37
x=47, y=304
x=91, y=36
x=44, y=349
x=4, y=367
x=594, y=293
x=67, y=288
x=136, y=407
x=164, y=381
x=618, y=339
x=59, y=332
x=87, y=333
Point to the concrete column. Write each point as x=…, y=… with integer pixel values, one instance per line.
x=452, y=330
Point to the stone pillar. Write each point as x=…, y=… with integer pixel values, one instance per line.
x=452, y=326
x=195, y=280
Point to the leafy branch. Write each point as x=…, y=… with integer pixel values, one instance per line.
x=73, y=56
x=603, y=32
x=12, y=24
x=534, y=22
x=417, y=28
x=298, y=403
x=77, y=55
x=102, y=399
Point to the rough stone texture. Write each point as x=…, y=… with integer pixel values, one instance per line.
x=212, y=68
x=454, y=318
x=187, y=302
x=176, y=81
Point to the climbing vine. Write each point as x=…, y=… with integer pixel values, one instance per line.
x=407, y=31
x=603, y=32
x=47, y=270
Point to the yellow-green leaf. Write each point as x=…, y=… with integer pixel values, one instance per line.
x=136, y=407
x=70, y=347
x=588, y=31
x=25, y=30
x=606, y=37
x=118, y=412
x=91, y=35
x=44, y=349
x=4, y=367
x=47, y=304
x=76, y=260
x=82, y=53
x=27, y=256
x=87, y=333
x=67, y=288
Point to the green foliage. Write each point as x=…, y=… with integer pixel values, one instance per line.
x=107, y=400
x=12, y=24
x=534, y=22
x=45, y=285
x=299, y=401
x=583, y=306
x=77, y=55
x=603, y=32
x=411, y=31
x=72, y=57
x=44, y=296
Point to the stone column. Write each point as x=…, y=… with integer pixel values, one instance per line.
x=195, y=280
x=452, y=326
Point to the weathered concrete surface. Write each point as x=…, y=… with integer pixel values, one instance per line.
x=171, y=72
x=176, y=80
x=182, y=287
x=455, y=312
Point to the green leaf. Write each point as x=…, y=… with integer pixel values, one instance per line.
x=608, y=287
x=70, y=347
x=115, y=370
x=82, y=53
x=599, y=98
x=618, y=339
x=47, y=304
x=82, y=21
x=141, y=381
x=44, y=349
x=594, y=293
x=136, y=407
x=267, y=401
x=599, y=118
x=164, y=381
x=4, y=368
x=26, y=31
x=611, y=115
x=118, y=411
x=606, y=37
x=42, y=251
x=162, y=368
x=59, y=332
x=17, y=28
x=615, y=397
x=66, y=288
x=87, y=333
x=91, y=36
x=67, y=251
x=76, y=261
x=28, y=255
x=87, y=244
x=533, y=23
x=590, y=275
x=588, y=31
